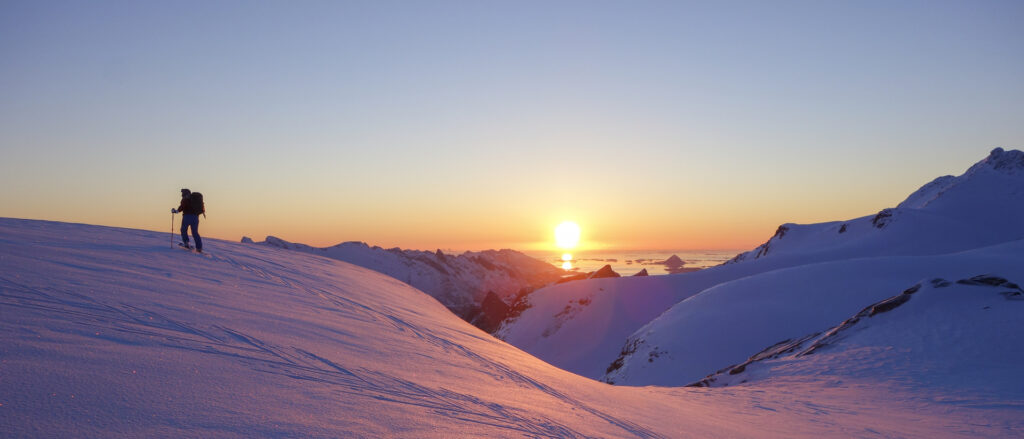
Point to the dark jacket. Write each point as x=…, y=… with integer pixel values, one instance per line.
x=186, y=206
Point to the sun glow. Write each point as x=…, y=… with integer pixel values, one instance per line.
x=567, y=235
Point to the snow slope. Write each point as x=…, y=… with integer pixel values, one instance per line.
x=460, y=282
x=725, y=324
x=964, y=337
x=584, y=326
x=108, y=332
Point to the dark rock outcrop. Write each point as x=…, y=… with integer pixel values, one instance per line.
x=882, y=218
x=492, y=312
x=989, y=280
x=674, y=265
x=641, y=273
x=604, y=272
x=628, y=349
x=674, y=262
x=1016, y=293
x=1001, y=160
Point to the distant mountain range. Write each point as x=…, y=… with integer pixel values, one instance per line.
x=477, y=286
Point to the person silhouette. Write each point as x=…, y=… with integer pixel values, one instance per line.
x=189, y=219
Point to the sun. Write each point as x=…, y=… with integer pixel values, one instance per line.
x=567, y=235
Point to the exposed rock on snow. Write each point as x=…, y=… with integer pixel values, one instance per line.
x=990, y=281
x=674, y=265
x=604, y=272
x=673, y=262
x=641, y=273
x=1010, y=162
x=882, y=218
x=492, y=311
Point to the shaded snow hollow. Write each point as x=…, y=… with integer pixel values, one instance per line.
x=109, y=332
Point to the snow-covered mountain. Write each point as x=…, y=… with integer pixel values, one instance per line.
x=981, y=207
x=611, y=328
x=729, y=322
x=108, y=332
x=460, y=282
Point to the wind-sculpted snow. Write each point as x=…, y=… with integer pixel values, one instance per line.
x=111, y=333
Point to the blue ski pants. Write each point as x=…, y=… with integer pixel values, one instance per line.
x=190, y=220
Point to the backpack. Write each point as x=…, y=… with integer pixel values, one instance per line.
x=196, y=202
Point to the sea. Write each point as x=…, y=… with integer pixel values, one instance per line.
x=630, y=262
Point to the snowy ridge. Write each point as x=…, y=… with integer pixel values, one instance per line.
x=920, y=198
x=983, y=206
x=460, y=282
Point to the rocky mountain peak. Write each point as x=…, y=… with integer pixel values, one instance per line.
x=1011, y=161
x=604, y=272
x=674, y=261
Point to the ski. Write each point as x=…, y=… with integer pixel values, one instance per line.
x=191, y=249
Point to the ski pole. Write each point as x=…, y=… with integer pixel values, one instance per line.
x=172, y=229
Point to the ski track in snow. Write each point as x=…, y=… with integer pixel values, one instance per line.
x=134, y=325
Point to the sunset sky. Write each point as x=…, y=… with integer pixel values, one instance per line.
x=484, y=124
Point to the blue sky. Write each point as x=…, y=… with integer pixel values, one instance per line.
x=484, y=124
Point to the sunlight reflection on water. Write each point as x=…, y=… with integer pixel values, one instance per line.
x=628, y=263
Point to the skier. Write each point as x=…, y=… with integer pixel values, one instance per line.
x=190, y=218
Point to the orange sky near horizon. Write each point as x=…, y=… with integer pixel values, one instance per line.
x=477, y=125
x=690, y=222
